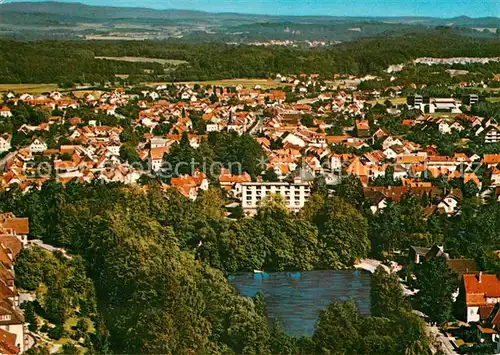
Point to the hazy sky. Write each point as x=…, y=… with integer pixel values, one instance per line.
x=434, y=8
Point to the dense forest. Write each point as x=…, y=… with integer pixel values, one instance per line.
x=70, y=62
x=154, y=291
x=158, y=261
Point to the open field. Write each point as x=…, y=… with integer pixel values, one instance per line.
x=394, y=100
x=145, y=60
x=81, y=93
x=28, y=88
x=247, y=83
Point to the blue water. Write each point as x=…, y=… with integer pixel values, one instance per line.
x=296, y=298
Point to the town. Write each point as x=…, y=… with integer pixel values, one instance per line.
x=301, y=137
x=306, y=131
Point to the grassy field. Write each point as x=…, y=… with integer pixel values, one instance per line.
x=81, y=93
x=28, y=88
x=394, y=100
x=145, y=60
x=247, y=83
x=493, y=99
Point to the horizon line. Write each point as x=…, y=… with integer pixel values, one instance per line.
x=240, y=13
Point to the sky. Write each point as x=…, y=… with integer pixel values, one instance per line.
x=432, y=8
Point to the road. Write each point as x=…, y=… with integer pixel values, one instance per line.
x=446, y=345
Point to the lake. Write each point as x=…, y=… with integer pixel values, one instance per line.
x=297, y=297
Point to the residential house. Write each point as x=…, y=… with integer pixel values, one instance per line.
x=233, y=183
x=479, y=293
x=37, y=145
x=156, y=157
x=495, y=176
x=362, y=128
x=5, y=112
x=5, y=142
x=449, y=204
x=491, y=134
x=491, y=160
x=14, y=226
x=189, y=185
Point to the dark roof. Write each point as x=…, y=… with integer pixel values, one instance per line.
x=463, y=266
x=484, y=312
x=374, y=197
x=436, y=252
x=494, y=317
x=420, y=250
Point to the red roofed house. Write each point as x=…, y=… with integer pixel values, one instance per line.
x=231, y=182
x=479, y=292
x=14, y=226
x=5, y=112
x=156, y=157
x=8, y=343
x=362, y=128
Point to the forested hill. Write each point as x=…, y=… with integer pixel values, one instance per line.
x=106, y=13
x=55, y=20
x=74, y=61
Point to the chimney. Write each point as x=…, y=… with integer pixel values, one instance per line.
x=479, y=276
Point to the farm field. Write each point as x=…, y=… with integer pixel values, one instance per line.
x=394, y=100
x=28, y=88
x=145, y=60
x=81, y=93
x=493, y=99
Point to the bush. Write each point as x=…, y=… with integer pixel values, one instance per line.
x=56, y=333
x=44, y=328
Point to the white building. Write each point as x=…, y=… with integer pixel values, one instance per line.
x=449, y=105
x=158, y=142
x=5, y=142
x=492, y=135
x=37, y=146
x=294, y=194
x=5, y=112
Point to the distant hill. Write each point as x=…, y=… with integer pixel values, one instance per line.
x=109, y=13
x=30, y=20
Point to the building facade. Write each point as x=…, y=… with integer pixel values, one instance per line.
x=294, y=194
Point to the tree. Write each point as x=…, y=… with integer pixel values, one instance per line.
x=29, y=315
x=270, y=175
x=337, y=329
x=343, y=233
x=319, y=186
x=470, y=189
x=70, y=349
x=128, y=153
x=313, y=207
x=351, y=190
x=435, y=302
x=386, y=295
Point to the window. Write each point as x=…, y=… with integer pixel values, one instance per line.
x=4, y=317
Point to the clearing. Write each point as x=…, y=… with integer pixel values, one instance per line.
x=395, y=100
x=28, y=88
x=81, y=93
x=493, y=99
x=145, y=60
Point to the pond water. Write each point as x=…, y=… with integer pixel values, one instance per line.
x=297, y=297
